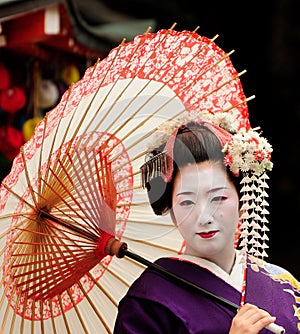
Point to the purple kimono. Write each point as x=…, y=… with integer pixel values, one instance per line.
x=154, y=304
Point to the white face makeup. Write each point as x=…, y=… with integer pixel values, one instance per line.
x=206, y=211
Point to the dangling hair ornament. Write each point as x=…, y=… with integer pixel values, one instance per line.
x=250, y=154
x=155, y=166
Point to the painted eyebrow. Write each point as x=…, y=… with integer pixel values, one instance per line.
x=210, y=191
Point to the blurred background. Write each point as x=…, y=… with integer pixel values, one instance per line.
x=47, y=45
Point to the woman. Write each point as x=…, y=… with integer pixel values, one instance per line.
x=199, y=186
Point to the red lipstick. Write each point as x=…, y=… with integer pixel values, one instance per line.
x=207, y=235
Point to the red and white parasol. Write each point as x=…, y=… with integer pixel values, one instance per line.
x=76, y=182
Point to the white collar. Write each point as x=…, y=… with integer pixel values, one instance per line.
x=235, y=278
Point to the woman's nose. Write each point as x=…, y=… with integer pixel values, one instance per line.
x=204, y=214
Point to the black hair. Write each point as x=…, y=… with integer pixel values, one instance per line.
x=194, y=143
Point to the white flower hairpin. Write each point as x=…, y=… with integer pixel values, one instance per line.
x=248, y=151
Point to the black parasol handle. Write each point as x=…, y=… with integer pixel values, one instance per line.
x=123, y=251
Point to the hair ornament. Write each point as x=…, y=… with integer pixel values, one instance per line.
x=155, y=166
x=247, y=151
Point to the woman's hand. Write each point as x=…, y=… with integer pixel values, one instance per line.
x=250, y=320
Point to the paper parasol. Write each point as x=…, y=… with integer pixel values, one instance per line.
x=77, y=181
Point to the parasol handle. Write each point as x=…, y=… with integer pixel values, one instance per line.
x=118, y=248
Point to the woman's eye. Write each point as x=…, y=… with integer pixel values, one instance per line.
x=186, y=202
x=219, y=198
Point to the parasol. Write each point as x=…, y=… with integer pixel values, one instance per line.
x=76, y=182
